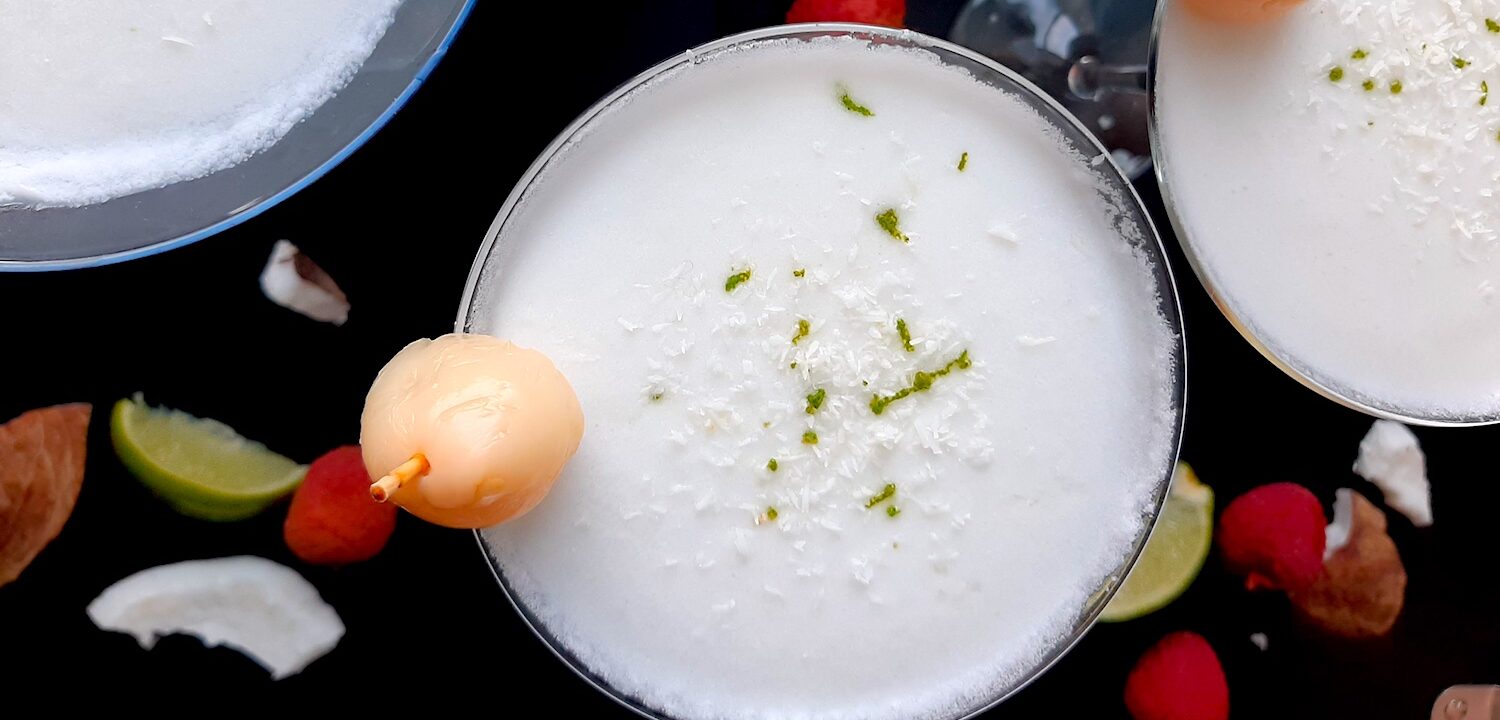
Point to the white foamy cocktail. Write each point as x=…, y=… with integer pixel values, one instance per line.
x=1334, y=171
x=877, y=394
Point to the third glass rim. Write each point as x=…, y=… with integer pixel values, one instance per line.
x=1283, y=361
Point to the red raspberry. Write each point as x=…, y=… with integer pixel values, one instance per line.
x=1274, y=536
x=333, y=520
x=890, y=13
x=1179, y=678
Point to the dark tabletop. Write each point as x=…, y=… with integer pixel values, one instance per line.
x=398, y=225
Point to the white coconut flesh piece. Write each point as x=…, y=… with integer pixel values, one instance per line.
x=260, y=608
x=1390, y=457
x=1337, y=532
x=293, y=281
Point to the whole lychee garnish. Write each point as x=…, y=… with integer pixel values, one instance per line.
x=1274, y=536
x=1179, y=678
x=332, y=520
x=890, y=13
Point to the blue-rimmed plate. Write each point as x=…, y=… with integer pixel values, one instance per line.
x=152, y=221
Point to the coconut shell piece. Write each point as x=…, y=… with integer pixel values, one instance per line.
x=1363, y=586
x=42, y=455
x=293, y=281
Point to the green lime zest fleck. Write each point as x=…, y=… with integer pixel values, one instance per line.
x=1368, y=85
x=852, y=106
x=1336, y=74
x=1484, y=92
x=771, y=513
x=815, y=400
x=799, y=272
x=736, y=280
x=920, y=382
x=892, y=511
x=905, y=333
x=1395, y=87
x=1491, y=25
x=886, y=493
x=1358, y=54
x=963, y=161
x=804, y=328
x=772, y=465
x=1459, y=62
x=890, y=222
x=794, y=365
x=809, y=438
x=656, y=397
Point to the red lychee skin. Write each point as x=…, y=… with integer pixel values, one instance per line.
x=1274, y=535
x=890, y=13
x=1179, y=678
x=333, y=520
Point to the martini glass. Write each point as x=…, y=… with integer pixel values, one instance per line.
x=490, y=270
x=1089, y=55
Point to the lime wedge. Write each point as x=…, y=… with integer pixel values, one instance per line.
x=1173, y=555
x=201, y=467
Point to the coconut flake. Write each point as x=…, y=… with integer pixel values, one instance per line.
x=293, y=281
x=1260, y=641
x=264, y=610
x=1390, y=457
x=1337, y=532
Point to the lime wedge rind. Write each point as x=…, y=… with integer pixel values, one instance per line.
x=1174, y=554
x=201, y=467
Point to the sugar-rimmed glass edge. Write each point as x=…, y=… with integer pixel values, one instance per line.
x=487, y=262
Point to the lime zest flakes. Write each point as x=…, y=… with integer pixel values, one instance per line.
x=1358, y=54
x=1395, y=87
x=963, y=161
x=852, y=106
x=1368, y=85
x=905, y=333
x=809, y=438
x=1336, y=74
x=737, y=279
x=1491, y=25
x=1484, y=92
x=1459, y=62
x=890, y=511
x=799, y=272
x=886, y=493
x=656, y=397
x=890, y=222
x=815, y=400
x=771, y=513
x=804, y=328
x=920, y=382
x=772, y=465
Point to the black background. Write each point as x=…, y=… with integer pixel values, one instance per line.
x=398, y=225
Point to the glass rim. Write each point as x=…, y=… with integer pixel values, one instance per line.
x=265, y=203
x=1168, y=303
x=1283, y=361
